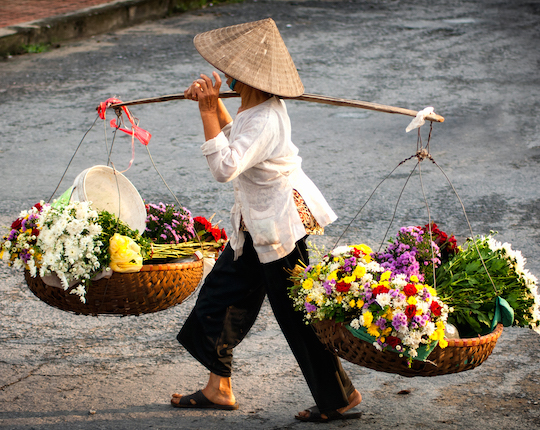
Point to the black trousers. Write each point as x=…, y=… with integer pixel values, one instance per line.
x=228, y=304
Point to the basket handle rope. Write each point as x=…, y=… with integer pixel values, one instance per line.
x=422, y=153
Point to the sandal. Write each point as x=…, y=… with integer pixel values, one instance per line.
x=199, y=401
x=315, y=416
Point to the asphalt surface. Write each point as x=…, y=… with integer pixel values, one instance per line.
x=476, y=62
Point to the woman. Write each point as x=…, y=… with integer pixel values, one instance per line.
x=276, y=206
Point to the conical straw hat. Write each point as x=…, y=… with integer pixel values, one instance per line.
x=253, y=53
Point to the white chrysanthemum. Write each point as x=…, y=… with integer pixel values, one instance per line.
x=493, y=244
x=377, y=346
x=383, y=299
x=367, y=278
x=75, y=227
x=94, y=229
x=413, y=339
x=423, y=306
x=429, y=328
x=340, y=250
x=80, y=291
x=400, y=280
x=361, y=320
x=373, y=266
x=413, y=353
x=355, y=323
x=530, y=279
x=520, y=262
x=317, y=296
x=400, y=302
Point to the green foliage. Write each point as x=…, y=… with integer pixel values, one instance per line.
x=36, y=48
x=110, y=225
x=465, y=285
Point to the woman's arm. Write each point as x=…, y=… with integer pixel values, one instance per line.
x=214, y=114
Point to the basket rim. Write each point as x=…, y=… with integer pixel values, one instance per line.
x=480, y=340
x=170, y=266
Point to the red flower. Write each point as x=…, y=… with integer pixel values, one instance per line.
x=410, y=290
x=17, y=224
x=410, y=311
x=435, y=308
x=38, y=206
x=393, y=341
x=343, y=287
x=216, y=233
x=223, y=234
x=379, y=289
x=204, y=222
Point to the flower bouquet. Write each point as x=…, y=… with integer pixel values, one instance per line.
x=487, y=290
x=391, y=310
x=71, y=241
x=175, y=234
x=405, y=298
x=78, y=245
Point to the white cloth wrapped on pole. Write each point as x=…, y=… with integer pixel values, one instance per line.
x=420, y=118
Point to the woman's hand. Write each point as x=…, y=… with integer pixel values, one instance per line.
x=205, y=92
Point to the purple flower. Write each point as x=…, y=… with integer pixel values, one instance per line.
x=310, y=307
x=327, y=285
x=399, y=320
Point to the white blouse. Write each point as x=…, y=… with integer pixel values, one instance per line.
x=256, y=153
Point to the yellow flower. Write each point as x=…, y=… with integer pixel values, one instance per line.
x=443, y=343
x=333, y=275
x=359, y=303
x=352, y=303
x=385, y=276
x=125, y=254
x=307, y=284
x=387, y=331
x=388, y=315
x=373, y=330
x=368, y=318
x=339, y=299
x=414, y=279
x=365, y=249
x=349, y=279
x=432, y=292
x=359, y=271
x=308, y=298
x=438, y=335
x=412, y=300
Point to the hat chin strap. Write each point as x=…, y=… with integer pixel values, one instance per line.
x=232, y=84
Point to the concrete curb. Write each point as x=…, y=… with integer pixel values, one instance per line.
x=87, y=22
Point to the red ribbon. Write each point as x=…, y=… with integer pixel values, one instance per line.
x=139, y=133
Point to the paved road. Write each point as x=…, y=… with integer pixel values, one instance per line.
x=476, y=62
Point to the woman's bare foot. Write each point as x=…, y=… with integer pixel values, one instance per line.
x=354, y=400
x=218, y=391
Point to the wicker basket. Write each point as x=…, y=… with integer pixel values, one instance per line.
x=155, y=288
x=458, y=356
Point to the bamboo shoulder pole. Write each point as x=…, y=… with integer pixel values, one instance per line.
x=314, y=98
